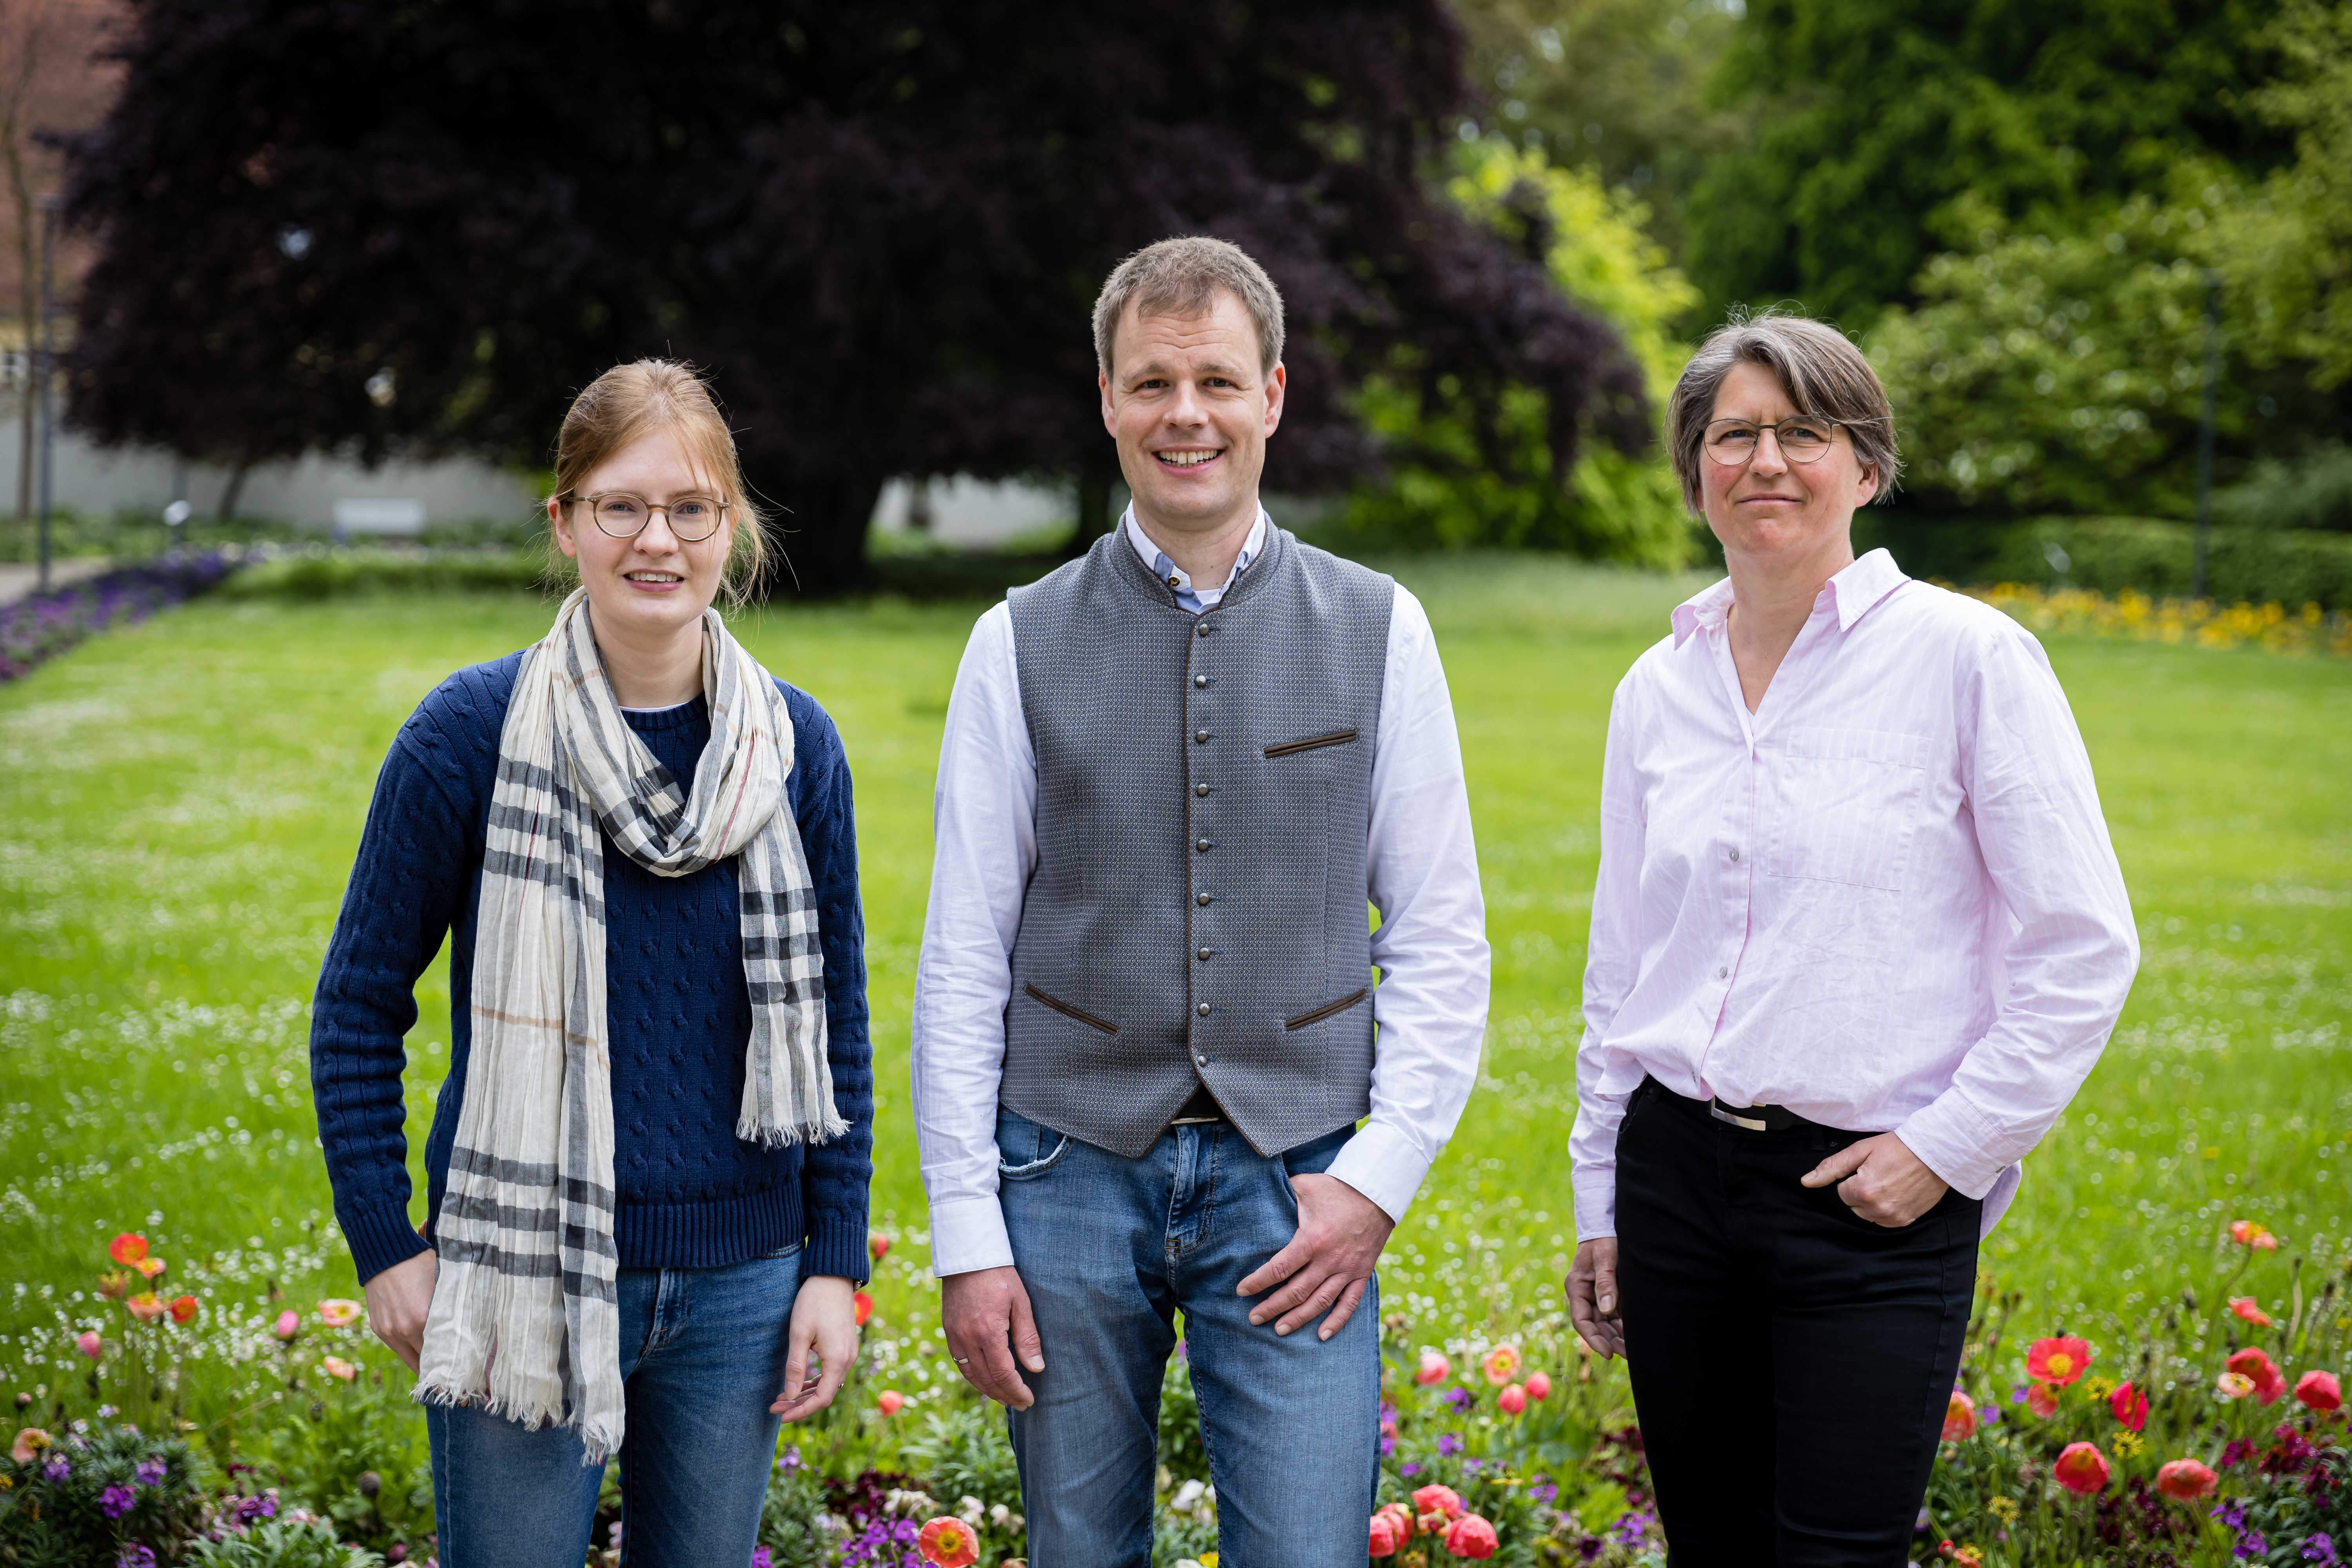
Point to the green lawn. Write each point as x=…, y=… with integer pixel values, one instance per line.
x=179, y=803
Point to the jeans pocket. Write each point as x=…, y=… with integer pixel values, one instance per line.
x=1024, y=1148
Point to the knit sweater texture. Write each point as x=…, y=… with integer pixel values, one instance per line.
x=691, y=1194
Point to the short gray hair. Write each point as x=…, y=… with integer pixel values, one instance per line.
x=1822, y=373
x=1179, y=277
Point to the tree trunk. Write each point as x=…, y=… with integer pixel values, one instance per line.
x=1095, y=516
x=816, y=541
x=235, y=489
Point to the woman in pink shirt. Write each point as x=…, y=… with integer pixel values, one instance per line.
x=1858, y=937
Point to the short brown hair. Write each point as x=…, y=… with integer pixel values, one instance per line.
x=1180, y=278
x=647, y=394
x=1822, y=373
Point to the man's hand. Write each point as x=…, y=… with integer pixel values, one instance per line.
x=398, y=1301
x=825, y=1321
x=1329, y=1259
x=1881, y=1180
x=1593, y=1295
x=987, y=1317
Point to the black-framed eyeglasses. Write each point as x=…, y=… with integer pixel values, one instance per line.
x=1803, y=438
x=623, y=516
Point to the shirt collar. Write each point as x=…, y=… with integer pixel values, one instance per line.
x=1152, y=556
x=1852, y=591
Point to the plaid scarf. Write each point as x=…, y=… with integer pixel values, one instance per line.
x=524, y=1317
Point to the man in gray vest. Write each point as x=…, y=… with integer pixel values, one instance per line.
x=1175, y=772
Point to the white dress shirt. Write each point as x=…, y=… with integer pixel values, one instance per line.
x=1886, y=900
x=1421, y=867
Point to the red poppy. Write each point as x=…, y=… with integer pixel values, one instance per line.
x=890, y=1402
x=949, y=1542
x=877, y=1244
x=2185, y=1480
x=2081, y=1468
x=861, y=1307
x=2246, y=1309
x=1959, y=1418
x=144, y=1306
x=1538, y=1385
x=127, y=1248
x=1435, y=1368
x=1502, y=1365
x=2041, y=1402
x=1471, y=1536
x=2130, y=1406
x=2057, y=1362
x=2256, y=1237
x=2320, y=1391
x=2270, y=1382
x=1512, y=1401
x=184, y=1309
x=1384, y=1537
x=1438, y=1499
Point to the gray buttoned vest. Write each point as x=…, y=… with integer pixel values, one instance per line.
x=1203, y=797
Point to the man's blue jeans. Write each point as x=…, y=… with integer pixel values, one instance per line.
x=1110, y=1249
x=702, y=1357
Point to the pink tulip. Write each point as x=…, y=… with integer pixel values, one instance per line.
x=1435, y=1368
x=1538, y=1385
x=1513, y=1400
x=890, y=1401
x=288, y=1324
x=89, y=1343
x=1471, y=1536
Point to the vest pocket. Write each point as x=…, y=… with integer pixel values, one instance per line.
x=1328, y=1010
x=1314, y=742
x=1058, y=1006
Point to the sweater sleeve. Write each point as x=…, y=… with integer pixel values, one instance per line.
x=836, y=1175
x=406, y=888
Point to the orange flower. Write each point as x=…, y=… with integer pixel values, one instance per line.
x=2185, y=1480
x=127, y=1248
x=149, y=1266
x=1959, y=1418
x=184, y=1309
x=861, y=1307
x=2268, y=1380
x=2057, y=1362
x=1512, y=1401
x=2253, y=1237
x=1471, y=1536
x=336, y=1366
x=2081, y=1468
x=336, y=1313
x=30, y=1441
x=145, y=1306
x=2320, y=1391
x=2130, y=1407
x=890, y=1402
x=1538, y=1385
x=2246, y=1309
x=1435, y=1368
x=877, y=1244
x=1502, y=1365
x=950, y=1542
x=1437, y=1499
x=2041, y=1402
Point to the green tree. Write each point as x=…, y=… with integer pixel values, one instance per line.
x=1888, y=131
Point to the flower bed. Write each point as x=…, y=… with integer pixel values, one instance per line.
x=2204, y=622
x=39, y=626
x=2217, y=1436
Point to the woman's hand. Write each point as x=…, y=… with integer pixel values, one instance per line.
x=824, y=1323
x=1881, y=1180
x=1592, y=1296
x=399, y=1299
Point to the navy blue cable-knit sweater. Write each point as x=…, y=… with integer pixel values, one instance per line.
x=692, y=1194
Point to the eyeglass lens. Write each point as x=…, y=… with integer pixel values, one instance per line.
x=1800, y=440
x=692, y=518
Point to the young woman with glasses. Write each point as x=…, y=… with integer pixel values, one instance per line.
x=646, y=1175
x=1858, y=937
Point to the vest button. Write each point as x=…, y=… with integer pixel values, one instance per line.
x=1201, y=1061
x=1200, y=789
x=1204, y=1011
x=1201, y=736
x=1202, y=845
x=1204, y=955
x=1201, y=628
x=1200, y=681
x=1201, y=898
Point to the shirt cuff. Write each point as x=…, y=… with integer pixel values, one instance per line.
x=380, y=1236
x=969, y=1233
x=1956, y=1141
x=835, y=1249
x=1596, y=1207
x=1384, y=1166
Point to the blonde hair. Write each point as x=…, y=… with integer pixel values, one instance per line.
x=636, y=399
x=1822, y=373
x=1180, y=278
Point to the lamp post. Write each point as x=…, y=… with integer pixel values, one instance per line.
x=46, y=365
x=2205, y=433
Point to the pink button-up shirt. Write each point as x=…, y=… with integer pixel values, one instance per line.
x=1886, y=899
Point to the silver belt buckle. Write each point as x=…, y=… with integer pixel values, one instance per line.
x=1716, y=1109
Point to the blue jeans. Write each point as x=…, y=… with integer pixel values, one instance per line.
x=702, y=1357
x=1110, y=1249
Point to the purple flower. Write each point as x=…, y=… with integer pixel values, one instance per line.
x=1388, y=1447
x=2252, y=1545
x=57, y=1468
x=2017, y=1394
x=759, y=1558
x=1408, y=1468
x=1630, y=1528
x=116, y=1501
x=1461, y=1399
x=2321, y=1549
x=1449, y=1444
x=150, y=1472
x=1542, y=1491
x=790, y=1460
x=134, y=1555
x=2230, y=1511
x=1471, y=1467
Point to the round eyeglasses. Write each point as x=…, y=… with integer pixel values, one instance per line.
x=1802, y=439
x=623, y=516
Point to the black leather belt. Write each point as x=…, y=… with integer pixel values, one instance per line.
x=1201, y=1109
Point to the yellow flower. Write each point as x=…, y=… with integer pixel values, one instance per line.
x=2098, y=1388
x=2128, y=1443
x=2002, y=1509
x=1208, y=1560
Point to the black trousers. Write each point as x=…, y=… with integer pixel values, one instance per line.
x=1790, y=1360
